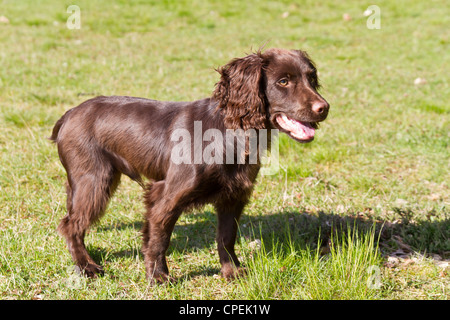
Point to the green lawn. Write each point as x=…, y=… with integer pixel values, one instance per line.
x=360, y=213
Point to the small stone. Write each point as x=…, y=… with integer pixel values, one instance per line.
x=419, y=81
x=256, y=244
x=4, y=19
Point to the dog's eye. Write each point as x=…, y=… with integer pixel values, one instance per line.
x=283, y=82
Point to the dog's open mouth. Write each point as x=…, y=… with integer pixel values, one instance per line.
x=301, y=131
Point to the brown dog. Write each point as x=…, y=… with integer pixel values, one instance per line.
x=106, y=137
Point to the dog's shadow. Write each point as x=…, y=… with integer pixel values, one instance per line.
x=197, y=231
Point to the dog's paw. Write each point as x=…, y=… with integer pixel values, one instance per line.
x=160, y=279
x=230, y=271
x=91, y=270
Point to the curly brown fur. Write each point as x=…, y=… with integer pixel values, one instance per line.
x=239, y=93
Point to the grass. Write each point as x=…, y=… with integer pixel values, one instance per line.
x=367, y=200
x=287, y=272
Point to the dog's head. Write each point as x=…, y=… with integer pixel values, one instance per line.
x=274, y=89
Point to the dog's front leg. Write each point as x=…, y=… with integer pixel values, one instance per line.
x=228, y=215
x=160, y=222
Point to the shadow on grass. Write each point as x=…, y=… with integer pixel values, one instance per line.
x=305, y=230
x=308, y=229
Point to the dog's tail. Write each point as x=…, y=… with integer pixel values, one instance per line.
x=58, y=126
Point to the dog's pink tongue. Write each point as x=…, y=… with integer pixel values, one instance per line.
x=300, y=130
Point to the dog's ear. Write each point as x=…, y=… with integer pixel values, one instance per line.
x=240, y=95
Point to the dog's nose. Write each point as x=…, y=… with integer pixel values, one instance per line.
x=320, y=108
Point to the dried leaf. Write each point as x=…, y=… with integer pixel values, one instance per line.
x=434, y=197
x=407, y=262
x=392, y=262
x=443, y=264
x=401, y=202
x=399, y=241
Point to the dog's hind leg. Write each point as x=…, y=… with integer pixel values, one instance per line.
x=88, y=192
